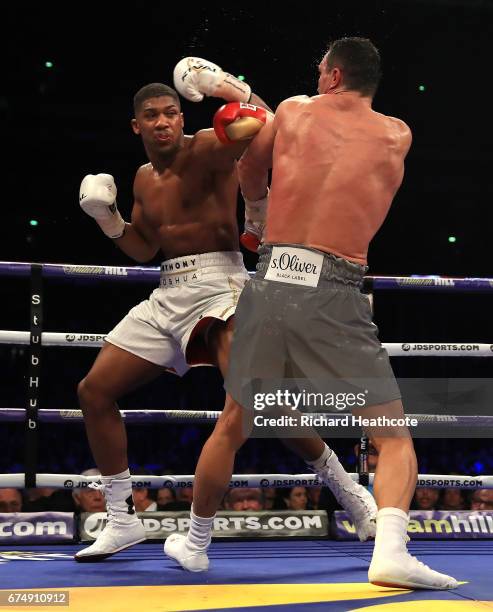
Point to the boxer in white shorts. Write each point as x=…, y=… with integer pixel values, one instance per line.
x=171, y=328
x=185, y=207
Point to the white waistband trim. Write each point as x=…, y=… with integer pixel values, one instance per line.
x=190, y=268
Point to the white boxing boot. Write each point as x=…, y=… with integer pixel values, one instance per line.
x=123, y=528
x=178, y=548
x=393, y=566
x=356, y=500
x=191, y=550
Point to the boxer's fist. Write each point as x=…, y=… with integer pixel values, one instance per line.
x=195, y=77
x=238, y=121
x=97, y=198
x=255, y=216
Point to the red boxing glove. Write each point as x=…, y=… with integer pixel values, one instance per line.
x=250, y=242
x=238, y=121
x=255, y=217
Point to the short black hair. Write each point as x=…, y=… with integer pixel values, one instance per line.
x=359, y=60
x=154, y=90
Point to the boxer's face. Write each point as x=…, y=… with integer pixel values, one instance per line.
x=160, y=123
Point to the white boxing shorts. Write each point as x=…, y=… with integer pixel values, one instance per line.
x=168, y=328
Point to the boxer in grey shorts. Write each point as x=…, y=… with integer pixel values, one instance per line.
x=335, y=165
x=303, y=316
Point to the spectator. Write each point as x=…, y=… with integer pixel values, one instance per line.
x=142, y=500
x=243, y=499
x=88, y=499
x=10, y=500
x=174, y=500
x=164, y=497
x=313, y=497
x=482, y=499
x=32, y=495
x=295, y=498
x=47, y=499
x=426, y=499
x=269, y=494
x=452, y=499
x=185, y=495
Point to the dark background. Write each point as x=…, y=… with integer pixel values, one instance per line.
x=62, y=123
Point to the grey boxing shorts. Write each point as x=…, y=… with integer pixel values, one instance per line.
x=303, y=316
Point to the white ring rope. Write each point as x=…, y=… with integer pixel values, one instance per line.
x=395, y=349
x=76, y=481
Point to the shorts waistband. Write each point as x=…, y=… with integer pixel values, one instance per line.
x=189, y=268
x=333, y=268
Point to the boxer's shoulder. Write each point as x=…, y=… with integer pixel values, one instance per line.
x=401, y=131
x=202, y=143
x=142, y=176
x=204, y=138
x=144, y=170
x=293, y=102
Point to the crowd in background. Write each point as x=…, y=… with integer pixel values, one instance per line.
x=237, y=499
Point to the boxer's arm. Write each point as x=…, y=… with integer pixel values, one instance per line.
x=195, y=77
x=138, y=241
x=254, y=165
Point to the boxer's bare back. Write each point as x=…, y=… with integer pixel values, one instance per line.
x=323, y=145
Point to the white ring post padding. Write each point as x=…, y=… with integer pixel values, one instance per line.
x=76, y=481
x=395, y=349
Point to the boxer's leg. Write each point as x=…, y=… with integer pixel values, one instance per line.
x=215, y=465
x=394, y=484
x=115, y=373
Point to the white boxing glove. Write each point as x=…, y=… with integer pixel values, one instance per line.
x=255, y=217
x=195, y=77
x=97, y=198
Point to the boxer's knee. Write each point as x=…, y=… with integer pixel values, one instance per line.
x=396, y=448
x=93, y=397
x=232, y=428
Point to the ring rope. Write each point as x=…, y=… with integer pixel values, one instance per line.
x=76, y=481
x=394, y=349
x=152, y=274
x=207, y=416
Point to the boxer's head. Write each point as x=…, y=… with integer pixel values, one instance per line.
x=350, y=64
x=158, y=119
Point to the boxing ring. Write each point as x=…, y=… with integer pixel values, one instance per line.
x=247, y=575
